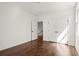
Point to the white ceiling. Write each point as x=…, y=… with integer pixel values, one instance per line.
x=40, y=7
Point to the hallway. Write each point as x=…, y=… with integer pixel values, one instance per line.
x=46, y=49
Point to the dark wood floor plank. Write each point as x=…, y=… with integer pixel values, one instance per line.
x=47, y=48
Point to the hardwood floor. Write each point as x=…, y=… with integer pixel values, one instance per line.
x=47, y=48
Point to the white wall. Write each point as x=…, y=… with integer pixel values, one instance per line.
x=34, y=28
x=15, y=26
x=57, y=21
x=77, y=27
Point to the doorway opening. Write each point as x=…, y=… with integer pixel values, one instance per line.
x=40, y=32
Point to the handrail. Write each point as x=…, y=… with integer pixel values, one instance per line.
x=40, y=32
